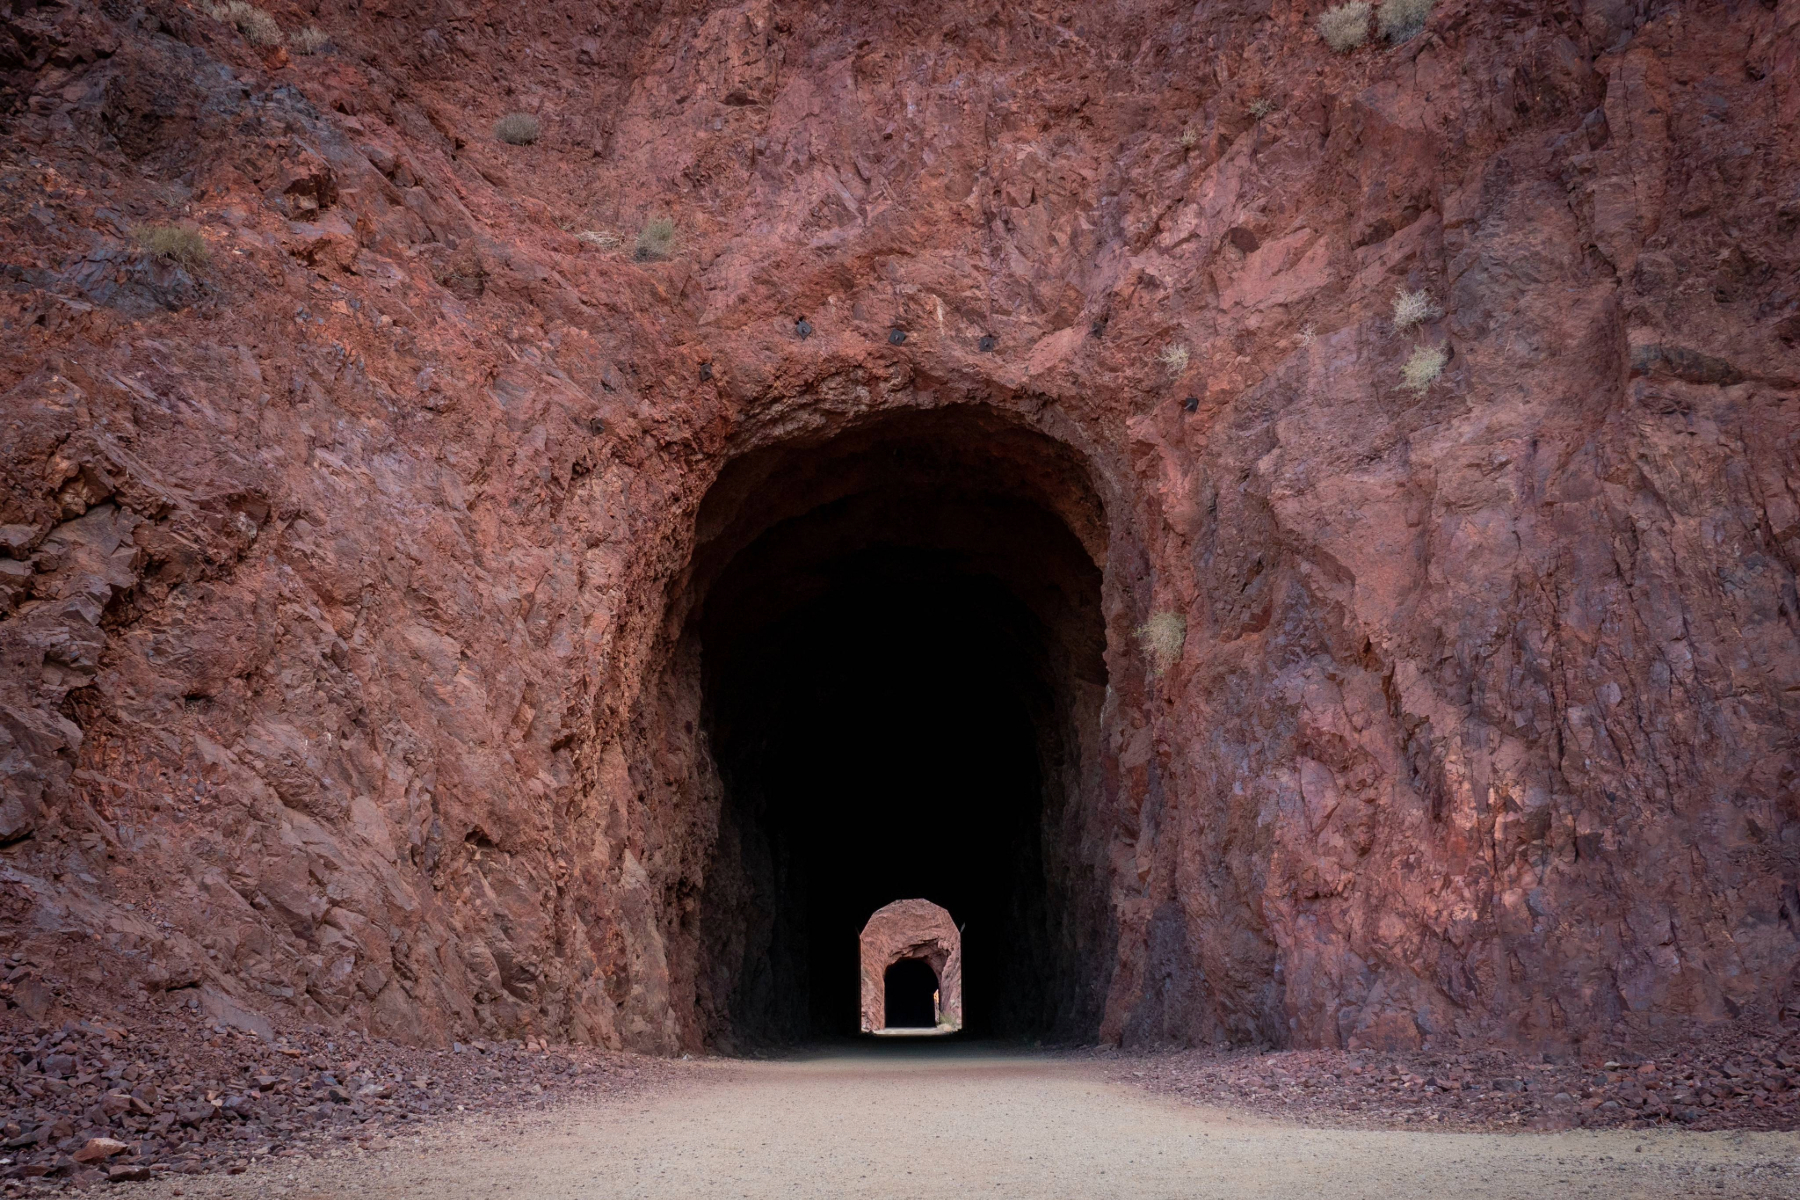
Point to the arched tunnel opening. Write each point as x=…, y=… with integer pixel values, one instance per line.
x=909, y=991
x=902, y=647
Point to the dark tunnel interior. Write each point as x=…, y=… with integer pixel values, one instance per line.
x=909, y=989
x=891, y=680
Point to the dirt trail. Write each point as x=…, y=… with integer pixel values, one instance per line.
x=940, y=1121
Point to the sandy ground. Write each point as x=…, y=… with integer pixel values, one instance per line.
x=919, y=1121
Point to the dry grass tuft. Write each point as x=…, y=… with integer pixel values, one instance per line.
x=255, y=24
x=1413, y=308
x=1174, y=358
x=600, y=239
x=1400, y=19
x=1261, y=108
x=517, y=129
x=1162, y=638
x=656, y=241
x=1345, y=27
x=1423, y=368
x=311, y=40
x=173, y=243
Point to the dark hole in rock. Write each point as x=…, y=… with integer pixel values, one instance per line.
x=986, y=344
x=896, y=337
x=803, y=328
x=1191, y=404
x=901, y=650
x=705, y=371
x=910, y=984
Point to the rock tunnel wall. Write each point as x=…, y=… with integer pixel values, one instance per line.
x=344, y=656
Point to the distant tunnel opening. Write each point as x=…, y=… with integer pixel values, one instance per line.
x=902, y=657
x=910, y=994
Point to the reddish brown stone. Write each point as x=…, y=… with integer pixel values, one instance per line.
x=911, y=929
x=348, y=663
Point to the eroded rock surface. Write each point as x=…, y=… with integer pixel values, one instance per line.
x=341, y=600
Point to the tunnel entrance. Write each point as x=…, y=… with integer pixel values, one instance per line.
x=902, y=658
x=911, y=990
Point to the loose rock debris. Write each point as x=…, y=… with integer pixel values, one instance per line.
x=1726, y=1082
x=123, y=1099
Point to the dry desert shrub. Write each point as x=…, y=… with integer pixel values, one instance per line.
x=173, y=243
x=655, y=241
x=1413, y=308
x=1423, y=368
x=1345, y=27
x=517, y=129
x=1174, y=358
x=600, y=239
x=1162, y=638
x=463, y=274
x=1400, y=19
x=311, y=40
x=255, y=24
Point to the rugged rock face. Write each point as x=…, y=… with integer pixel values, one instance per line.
x=358, y=583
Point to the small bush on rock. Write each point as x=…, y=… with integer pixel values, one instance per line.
x=1423, y=368
x=600, y=239
x=517, y=129
x=463, y=274
x=172, y=243
x=1413, y=308
x=1345, y=27
x=1175, y=358
x=1162, y=638
x=255, y=24
x=1400, y=19
x=655, y=241
x=311, y=40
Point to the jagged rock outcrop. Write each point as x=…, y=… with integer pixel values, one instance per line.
x=347, y=606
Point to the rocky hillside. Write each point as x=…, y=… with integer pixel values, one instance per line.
x=1427, y=410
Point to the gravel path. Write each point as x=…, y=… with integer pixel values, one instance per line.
x=921, y=1121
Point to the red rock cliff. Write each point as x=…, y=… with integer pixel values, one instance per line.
x=355, y=593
